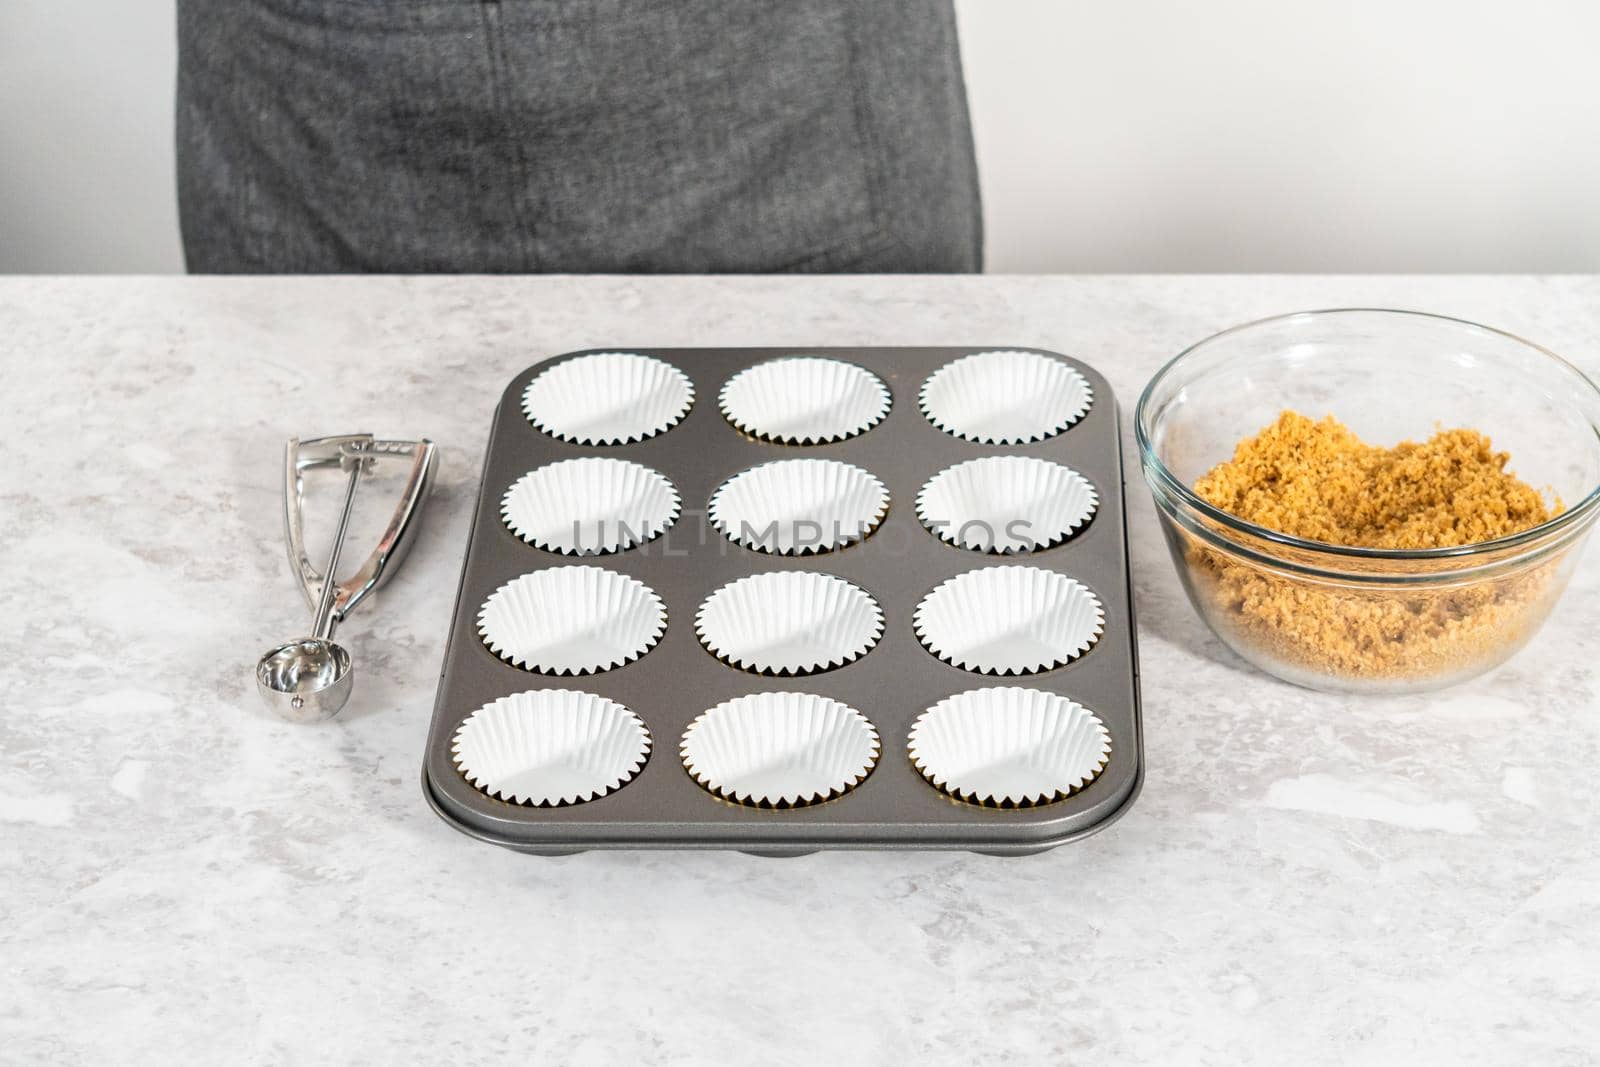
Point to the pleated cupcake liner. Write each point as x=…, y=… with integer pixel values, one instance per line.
x=1009, y=620
x=609, y=398
x=1005, y=397
x=590, y=506
x=804, y=400
x=572, y=620
x=550, y=747
x=797, y=507
x=789, y=623
x=1006, y=504
x=780, y=750
x=1009, y=746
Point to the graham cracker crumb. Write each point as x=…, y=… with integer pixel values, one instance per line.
x=1318, y=481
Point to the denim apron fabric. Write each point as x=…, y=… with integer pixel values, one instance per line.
x=574, y=136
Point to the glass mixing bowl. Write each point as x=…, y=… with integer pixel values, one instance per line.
x=1362, y=619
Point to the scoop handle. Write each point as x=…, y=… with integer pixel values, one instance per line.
x=380, y=565
x=323, y=621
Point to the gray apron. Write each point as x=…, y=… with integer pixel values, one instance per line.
x=574, y=136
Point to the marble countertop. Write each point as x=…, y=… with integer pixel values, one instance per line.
x=1307, y=878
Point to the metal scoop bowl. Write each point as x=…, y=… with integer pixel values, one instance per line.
x=309, y=679
x=306, y=680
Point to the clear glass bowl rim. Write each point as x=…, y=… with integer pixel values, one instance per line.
x=1163, y=479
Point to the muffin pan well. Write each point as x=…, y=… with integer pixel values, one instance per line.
x=813, y=664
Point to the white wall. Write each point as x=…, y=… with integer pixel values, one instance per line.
x=86, y=170
x=1140, y=135
x=1268, y=135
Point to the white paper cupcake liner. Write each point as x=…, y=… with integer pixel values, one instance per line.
x=804, y=400
x=780, y=750
x=794, y=507
x=1005, y=398
x=609, y=398
x=1009, y=620
x=789, y=622
x=590, y=506
x=572, y=620
x=1009, y=747
x=1006, y=504
x=550, y=747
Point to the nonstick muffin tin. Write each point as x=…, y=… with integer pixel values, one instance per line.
x=790, y=599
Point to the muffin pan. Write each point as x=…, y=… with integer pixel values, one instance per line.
x=888, y=610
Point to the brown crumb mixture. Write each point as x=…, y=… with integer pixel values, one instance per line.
x=1318, y=481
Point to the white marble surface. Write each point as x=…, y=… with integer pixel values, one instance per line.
x=1306, y=878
